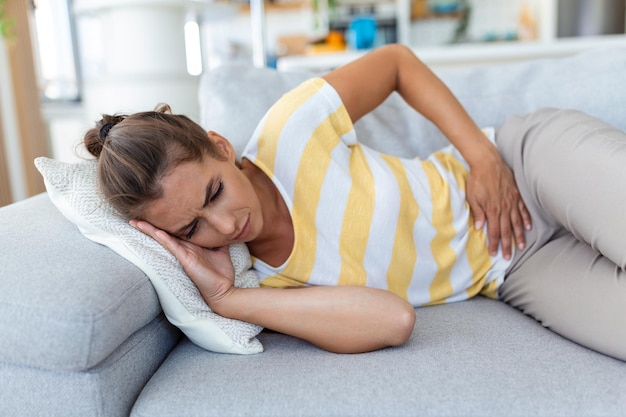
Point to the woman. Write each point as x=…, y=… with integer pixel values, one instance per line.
x=360, y=237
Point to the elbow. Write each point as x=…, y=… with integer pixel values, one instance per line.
x=403, y=324
x=393, y=326
x=398, y=49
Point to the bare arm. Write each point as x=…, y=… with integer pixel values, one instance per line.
x=491, y=190
x=338, y=319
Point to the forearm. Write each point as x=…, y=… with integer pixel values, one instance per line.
x=339, y=319
x=427, y=94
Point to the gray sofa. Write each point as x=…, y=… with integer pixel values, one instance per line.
x=83, y=333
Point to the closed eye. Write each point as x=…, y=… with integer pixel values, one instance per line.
x=218, y=191
x=191, y=231
x=214, y=196
x=211, y=196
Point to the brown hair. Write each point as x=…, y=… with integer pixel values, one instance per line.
x=136, y=151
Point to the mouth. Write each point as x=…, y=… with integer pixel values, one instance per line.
x=241, y=237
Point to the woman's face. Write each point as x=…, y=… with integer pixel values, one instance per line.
x=210, y=203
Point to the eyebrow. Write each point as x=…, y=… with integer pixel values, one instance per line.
x=207, y=197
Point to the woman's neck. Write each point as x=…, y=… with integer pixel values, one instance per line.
x=275, y=242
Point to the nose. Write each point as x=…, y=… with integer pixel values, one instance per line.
x=222, y=221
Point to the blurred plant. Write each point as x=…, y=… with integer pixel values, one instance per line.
x=6, y=24
x=460, y=33
x=323, y=13
x=332, y=5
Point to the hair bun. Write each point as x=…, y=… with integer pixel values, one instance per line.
x=104, y=131
x=96, y=137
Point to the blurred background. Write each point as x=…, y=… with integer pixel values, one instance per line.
x=63, y=63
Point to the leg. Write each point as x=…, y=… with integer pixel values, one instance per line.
x=571, y=168
x=575, y=291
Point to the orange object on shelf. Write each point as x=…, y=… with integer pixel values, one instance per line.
x=419, y=9
x=527, y=23
x=334, y=42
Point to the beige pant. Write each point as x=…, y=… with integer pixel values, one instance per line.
x=571, y=171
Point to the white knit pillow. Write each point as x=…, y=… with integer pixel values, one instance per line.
x=73, y=188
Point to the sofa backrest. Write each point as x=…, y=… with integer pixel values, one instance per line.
x=233, y=98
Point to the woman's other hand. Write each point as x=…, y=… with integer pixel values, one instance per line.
x=494, y=199
x=210, y=269
x=491, y=190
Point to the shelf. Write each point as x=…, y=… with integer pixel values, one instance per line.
x=465, y=55
x=276, y=7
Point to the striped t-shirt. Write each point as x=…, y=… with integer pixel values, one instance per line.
x=361, y=217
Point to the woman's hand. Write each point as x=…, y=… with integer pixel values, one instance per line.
x=491, y=190
x=210, y=269
x=336, y=318
x=494, y=198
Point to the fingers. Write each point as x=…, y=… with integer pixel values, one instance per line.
x=170, y=243
x=505, y=226
x=518, y=229
x=479, y=215
x=494, y=224
x=491, y=213
x=505, y=235
x=147, y=228
x=494, y=199
x=526, y=219
x=522, y=222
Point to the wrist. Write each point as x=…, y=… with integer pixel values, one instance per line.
x=480, y=153
x=221, y=302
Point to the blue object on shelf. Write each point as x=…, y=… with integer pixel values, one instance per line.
x=362, y=32
x=445, y=7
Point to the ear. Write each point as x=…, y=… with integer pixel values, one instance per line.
x=224, y=145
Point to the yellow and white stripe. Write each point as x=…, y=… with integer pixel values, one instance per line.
x=364, y=218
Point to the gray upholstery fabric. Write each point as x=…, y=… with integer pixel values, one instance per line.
x=65, y=303
x=106, y=390
x=474, y=358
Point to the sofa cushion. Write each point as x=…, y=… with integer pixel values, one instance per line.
x=233, y=98
x=73, y=188
x=65, y=303
x=474, y=358
x=108, y=389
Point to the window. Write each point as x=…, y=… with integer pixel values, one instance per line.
x=55, y=50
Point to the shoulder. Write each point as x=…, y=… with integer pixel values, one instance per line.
x=314, y=90
x=310, y=111
x=302, y=109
